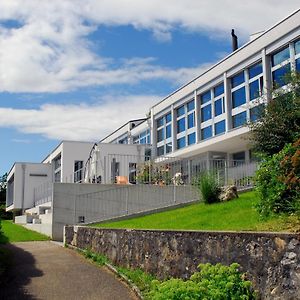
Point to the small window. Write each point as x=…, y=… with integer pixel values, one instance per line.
x=160, y=151
x=168, y=118
x=256, y=112
x=168, y=147
x=297, y=47
x=254, y=89
x=192, y=138
x=168, y=131
x=160, y=122
x=239, y=119
x=180, y=111
x=255, y=70
x=219, y=90
x=280, y=56
x=191, y=105
x=241, y=156
x=298, y=64
x=238, y=97
x=206, y=132
x=205, y=97
x=220, y=127
x=181, y=143
x=160, y=135
x=219, y=107
x=206, y=113
x=280, y=74
x=191, y=120
x=181, y=125
x=237, y=79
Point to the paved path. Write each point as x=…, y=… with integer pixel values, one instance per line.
x=44, y=270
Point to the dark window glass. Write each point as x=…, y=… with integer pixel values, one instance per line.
x=254, y=89
x=181, y=125
x=160, y=122
x=168, y=131
x=255, y=70
x=143, y=140
x=192, y=138
x=238, y=97
x=180, y=111
x=239, y=156
x=168, y=147
x=220, y=127
x=206, y=132
x=191, y=120
x=160, y=151
x=279, y=75
x=160, y=135
x=298, y=64
x=191, y=105
x=256, y=112
x=205, y=97
x=297, y=47
x=136, y=139
x=168, y=118
x=280, y=56
x=181, y=143
x=148, y=139
x=219, y=107
x=239, y=119
x=206, y=113
x=219, y=90
x=237, y=79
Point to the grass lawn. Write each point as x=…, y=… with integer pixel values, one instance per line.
x=237, y=215
x=16, y=233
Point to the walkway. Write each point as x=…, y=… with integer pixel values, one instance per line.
x=44, y=270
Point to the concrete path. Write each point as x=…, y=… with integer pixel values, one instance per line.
x=44, y=270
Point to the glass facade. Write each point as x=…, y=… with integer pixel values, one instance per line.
x=239, y=119
x=206, y=132
x=238, y=97
x=192, y=138
x=206, y=113
x=181, y=125
x=238, y=79
x=206, y=97
x=220, y=127
x=181, y=143
x=142, y=138
x=164, y=134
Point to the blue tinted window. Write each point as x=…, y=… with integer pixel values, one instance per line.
x=206, y=132
x=191, y=105
x=168, y=131
x=237, y=79
x=239, y=119
x=279, y=75
x=220, y=127
x=160, y=122
x=160, y=151
x=219, y=90
x=219, y=107
x=168, y=118
x=298, y=64
x=191, y=120
x=143, y=140
x=148, y=139
x=181, y=125
x=180, y=111
x=192, y=138
x=238, y=97
x=160, y=135
x=254, y=89
x=206, y=113
x=255, y=112
x=255, y=70
x=181, y=143
x=168, y=147
x=297, y=47
x=205, y=97
x=280, y=56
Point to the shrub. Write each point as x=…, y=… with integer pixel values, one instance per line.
x=278, y=181
x=212, y=282
x=209, y=187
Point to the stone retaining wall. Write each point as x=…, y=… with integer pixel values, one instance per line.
x=272, y=260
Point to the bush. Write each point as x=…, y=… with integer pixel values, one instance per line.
x=209, y=187
x=278, y=181
x=212, y=282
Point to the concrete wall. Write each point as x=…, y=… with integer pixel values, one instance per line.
x=97, y=202
x=271, y=260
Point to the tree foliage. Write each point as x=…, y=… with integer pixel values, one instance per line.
x=3, y=186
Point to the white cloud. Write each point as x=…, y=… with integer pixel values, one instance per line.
x=49, y=50
x=77, y=122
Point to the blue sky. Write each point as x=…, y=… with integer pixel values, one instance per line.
x=76, y=70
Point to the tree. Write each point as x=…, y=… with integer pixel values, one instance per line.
x=3, y=186
x=279, y=120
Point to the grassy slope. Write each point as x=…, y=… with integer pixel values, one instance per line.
x=239, y=214
x=17, y=233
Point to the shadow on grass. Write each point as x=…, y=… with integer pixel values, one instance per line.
x=20, y=269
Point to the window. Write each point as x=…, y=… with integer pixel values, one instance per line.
x=281, y=65
x=219, y=107
x=255, y=70
x=191, y=120
x=298, y=64
x=160, y=122
x=297, y=47
x=280, y=56
x=254, y=89
x=206, y=132
x=241, y=156
x=168, y=118
x=237, y=79
x=160, y=135
x=160, y=151
x=181, y=125
x=239, y=119
x=181, y=143
x=238, y=97
x=168, y=147
x=192, y=138
x=164, y=133
x=142, y=138
x=219, y=90
x=168, y=131
x=279, y=75
x=191, y=105
x=206, y=97
x=180, y=111
x=255, y=112
x=220, y=127
x=206, y=113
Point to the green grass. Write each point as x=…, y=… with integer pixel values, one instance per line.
x=237, y=215
x=16, y=233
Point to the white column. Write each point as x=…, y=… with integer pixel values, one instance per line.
x=173, y=128
x=197, y=118
x=153, y=133
x=227, y=96
x=266, y=65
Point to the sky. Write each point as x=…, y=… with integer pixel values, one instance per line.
x=77, y=70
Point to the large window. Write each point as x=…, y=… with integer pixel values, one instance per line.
x=239, y=119
x=181, y=125
x=164, y=134
x=281, y=66
x=220, y=127
x=192, y=138
x=206, y=113
x=238, y=97
x=181, y=143
x=255, y=81
x=206, y=132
